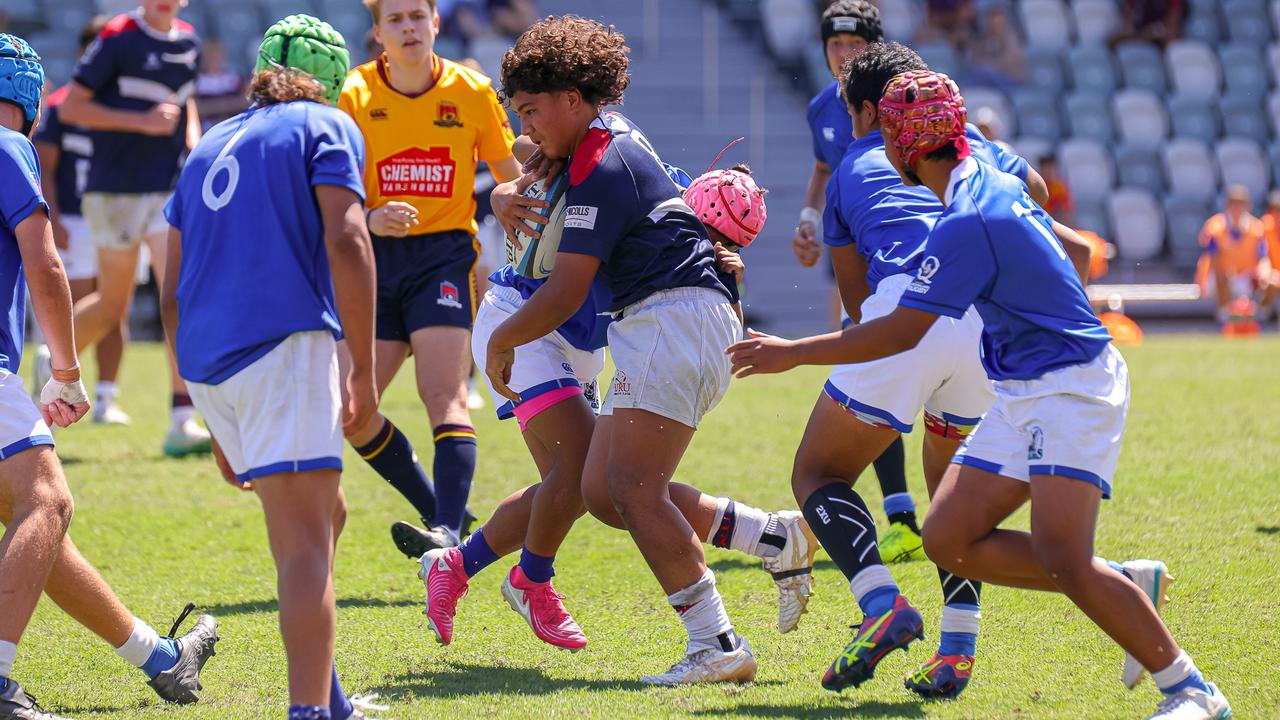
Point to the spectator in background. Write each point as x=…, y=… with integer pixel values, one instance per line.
x=1157, y=21
x=219, y=88
x=1271, y=230
x=511, y=17
x=991, y=126
x=1060, y=204
x=1235, y=262
x=4, y=21
x=950, y=21
x=996, y=55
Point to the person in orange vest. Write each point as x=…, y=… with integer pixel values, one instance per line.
x=1235, y=262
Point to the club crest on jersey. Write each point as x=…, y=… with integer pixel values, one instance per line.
x=924, y=277
x=152, y=63
x=621, y=384
x=423, y=173
x=449, y=295
x=447, y=115
x=582, y=217
x=1036, y=450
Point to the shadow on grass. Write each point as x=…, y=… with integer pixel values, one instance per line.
x=738, y=561
x=1269, y=529
x=256, y=606
x=454, y=679
x=868, y=709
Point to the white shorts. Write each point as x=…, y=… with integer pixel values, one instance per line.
x=943, y=374
x=119, y=220
x=81, y=256
x=21, y=426
x=1068, y=422
x=669, y=351
x=281, y=414
x=546, y=371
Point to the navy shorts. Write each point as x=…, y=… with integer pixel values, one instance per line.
x=424, y=281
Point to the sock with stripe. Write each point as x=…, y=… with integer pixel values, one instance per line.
x=454, y=467
x=147, y=651
x=8, y=653
x=538, y=568
x=340, y=708
x=843, y=524
x=476, y=553
x=746, y=529
x=391, y=455
x=961, y=600
x=181, y=410
x=701, y=609
x=1181, y=674
x=309, y=712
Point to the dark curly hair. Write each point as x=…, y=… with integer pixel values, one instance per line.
x=568, y=53
x=864, y=76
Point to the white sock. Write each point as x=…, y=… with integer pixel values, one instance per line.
x=138, y=648
x=702, y=612
x=106, y=390
x=1180, y=669
x=872, y=577
x=180, y=415
x=955, y=619
x=748, y=528
x=8, y=651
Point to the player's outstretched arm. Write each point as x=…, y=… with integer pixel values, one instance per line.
x=1037, y=188
x=896, y=332
x=63, y=400
x=354, y=284
x=81, y=109
x=1077, y=249
x=806, y=244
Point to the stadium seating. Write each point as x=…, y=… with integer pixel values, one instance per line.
x=1044, y=70
x=1089, y=116
x=1185, y=216
x=788, y=26
x=940, y=56
x=1247, y=21
x=1142, y=66
x=1037, y=114
x=1088, y=168
x=900, y=19
x=1137, y=223
x=1032, y=148
x=1093, y=215
x=1244, y=115
x=1248, y=70
x=1191, y=169
x=1095, y=20
x=1202, y=23
x=979, y=97
x=1092, y=68
x=1139, y=166
x=1193, y=118
x=1194, y=69
x=1047, y=23
x=1140, y=118
x=1242, y=162
x=1273, y=111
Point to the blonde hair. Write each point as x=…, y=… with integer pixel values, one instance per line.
x=375, y=8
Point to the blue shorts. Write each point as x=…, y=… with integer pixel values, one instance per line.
x=424, y=281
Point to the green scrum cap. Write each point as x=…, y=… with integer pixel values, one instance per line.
x=308, y=44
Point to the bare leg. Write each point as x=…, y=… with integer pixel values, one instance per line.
x=563, y=431
x=99, y=312
x=300, y=509
x=110, y=348
x=32, y=486
x=159, y=246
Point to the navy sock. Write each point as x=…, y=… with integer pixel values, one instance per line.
x=537, y=568
x=309, y=712
x=476, y=553
x=843, y=524
x=454, y=466
x=391, y=455
x=891, y=469
x=162, y=658
x=339, y=706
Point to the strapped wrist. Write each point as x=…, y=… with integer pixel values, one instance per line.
x=68, y=375
x=812, y=215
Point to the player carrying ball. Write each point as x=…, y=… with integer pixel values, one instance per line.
x=1062, y=391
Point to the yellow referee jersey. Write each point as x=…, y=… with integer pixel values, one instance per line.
x=422, y=149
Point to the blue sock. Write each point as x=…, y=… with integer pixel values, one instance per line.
x=878, y=601
x=1194, y=680
x=476, y=553
x=958, y=643
x=162, y=658
x=391, y=455
x=536, y=567
x=4, y=683
x=339, y=706
x=454, y=467
x=1118, y=568
x=899, y=503
x=309, y=712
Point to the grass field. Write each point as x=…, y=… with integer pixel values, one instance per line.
x=1198, y=486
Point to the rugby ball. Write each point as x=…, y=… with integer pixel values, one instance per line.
x=534, y=257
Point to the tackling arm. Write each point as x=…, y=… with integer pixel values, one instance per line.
x=1077, y=248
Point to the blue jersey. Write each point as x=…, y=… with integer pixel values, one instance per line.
x=831, y=126
x=255, y=269
x=20, y=178
x=75, y=147
x=995, y=249
x=588, y=328
x=868, y=204
x=623, y=208
x=132, y=66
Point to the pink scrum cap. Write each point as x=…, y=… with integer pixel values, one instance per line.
x=729, y=201
x=922, y=111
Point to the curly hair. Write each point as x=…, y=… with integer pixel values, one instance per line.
x=283, y=85
x=745, y=169
x=864, y=76
x=568, y=53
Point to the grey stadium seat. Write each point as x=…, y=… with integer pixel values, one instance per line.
x=1095, y=20
x=1193, y=118
x=1273, y=111
x=1092, y=68
x=1137, y=223
x=1088, y=168
x=1092, y=215
x=1242, y=162
x=1194, y=68
x=1247, y=21
x=1202, y=23
x=1044, y=70
x=941, y=57
x=1184, y=216
x=1037, y=114
x=1140, y=118
x=1046, y=23
x=1248, y=68
x=1191, y=169
x=1089, y=115
x=1244, y=116
x=1138, y=166
x=901, y=19
x=1142, y=66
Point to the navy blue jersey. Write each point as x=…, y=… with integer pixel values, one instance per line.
x=867, y=204
x=623, y=208
x=683, y=181
x=75, y=148
x=995, y=249
x=254, y=268
x=131, y=66
x=20, y=178
x=831, y=125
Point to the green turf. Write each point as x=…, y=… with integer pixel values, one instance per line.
x=1197, y=487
